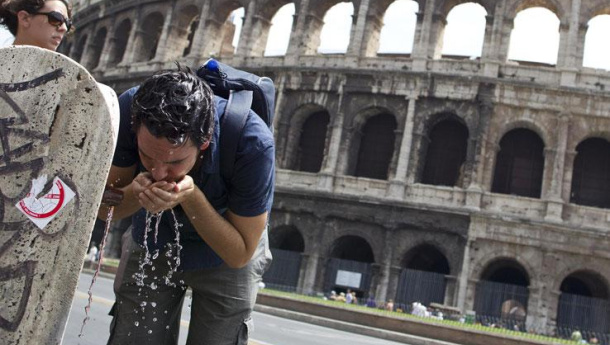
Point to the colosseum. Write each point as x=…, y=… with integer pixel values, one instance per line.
x=480, y=183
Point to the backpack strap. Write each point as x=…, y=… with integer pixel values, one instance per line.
x=231, y=127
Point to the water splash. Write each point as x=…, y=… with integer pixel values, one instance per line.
x=97, y=269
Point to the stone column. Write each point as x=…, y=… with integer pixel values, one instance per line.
x=257, y=36
x=108, y=45
x=358, y=29
x=163, y=47
x=568, y=60
x=567, y=175
x=392, y=283
x=381, y=291
x=202, y=35
x=475, y=168
x=128, y=57
x=554, y=198
x=489, y=55
x=299, y=34
x=243, y=46
x=463, y=277
x=334, y=145
x=398, y=183
x=422, y=39
x=372, y=34
x=450, y=290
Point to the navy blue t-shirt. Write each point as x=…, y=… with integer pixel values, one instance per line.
x=249, y=192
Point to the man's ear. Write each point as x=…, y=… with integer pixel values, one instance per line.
x=23, y=18
x=204, y=146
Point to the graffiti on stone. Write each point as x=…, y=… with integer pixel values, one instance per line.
x=17, y=145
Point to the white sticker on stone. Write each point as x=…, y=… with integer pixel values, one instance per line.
x=42, y=210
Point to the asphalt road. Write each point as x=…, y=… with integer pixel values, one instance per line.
x=269, y=330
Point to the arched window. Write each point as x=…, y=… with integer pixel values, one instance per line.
x=311, y=144
x=376, y=147
x=279, y=33
x=80, y=48
x=596, y=53
x=591, y=175
x=335, y=35
x=398, y=31
x=190, y=35
x=422, y=278
x=148, y=37
x=535, y=36
x=465, y=31
x=121, y=35
x=97, y=47
x=446, y=154
x=519, y=164
x=502, y=294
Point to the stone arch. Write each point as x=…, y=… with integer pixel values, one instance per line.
x=584, y=302
x=372, y=143
x=346, y=247
x=444, y=7
x=519, y=164
x=583, y=136
x=503, y=255
x=592, y=267
x=546, y=37
x=95, y=49
x=465, y=48
x=407, y=27
x=434, y=257
x=589, y=12
x=278, y=33
x=445, y=152
x=147, y=38
x=590, y=173
x=294, y=120
x=119, y=42
x=529, y=124
x=594, y=54
x=182, y=34
x=330, y=29
x=79, y=47
x=287, y=237
x=552, y=5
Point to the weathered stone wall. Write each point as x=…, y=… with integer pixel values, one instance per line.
x=472, y=227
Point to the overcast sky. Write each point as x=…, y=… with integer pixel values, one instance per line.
x=535, y=36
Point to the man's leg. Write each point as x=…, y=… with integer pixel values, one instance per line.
x=148, y=314
x=223, y=299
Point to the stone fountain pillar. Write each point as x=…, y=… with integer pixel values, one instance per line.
x=58, y=128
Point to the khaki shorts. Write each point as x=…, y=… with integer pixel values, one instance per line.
x=222, y=300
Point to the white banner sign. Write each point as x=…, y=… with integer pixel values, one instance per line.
x=347, y=278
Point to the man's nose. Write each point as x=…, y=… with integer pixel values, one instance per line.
x=159, y=172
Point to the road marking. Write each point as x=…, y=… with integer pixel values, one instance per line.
x=183, y=323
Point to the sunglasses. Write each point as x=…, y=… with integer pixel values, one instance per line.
x=57, y=19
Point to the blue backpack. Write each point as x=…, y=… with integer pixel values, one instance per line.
x=243, y=91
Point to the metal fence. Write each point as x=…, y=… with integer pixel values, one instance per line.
x=283, y=273
x=501, y=305
x=420, y=286
x=590, y=316
x=347, y=274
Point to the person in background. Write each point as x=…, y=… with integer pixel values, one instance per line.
x=37, y=23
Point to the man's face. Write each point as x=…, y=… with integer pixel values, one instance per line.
x=164, y=160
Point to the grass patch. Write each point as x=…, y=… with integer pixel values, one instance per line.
x=450, y=323
x=111, y=262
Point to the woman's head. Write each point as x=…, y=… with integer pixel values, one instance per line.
x=41, y=23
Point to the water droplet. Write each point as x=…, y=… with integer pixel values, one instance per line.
x=167, y=327
x=154, y=304
x=155, y=319
x=143, y=304
x=150, y=331
x=136, y=323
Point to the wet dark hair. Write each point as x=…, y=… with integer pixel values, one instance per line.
x=10, y=8
x=176, y=105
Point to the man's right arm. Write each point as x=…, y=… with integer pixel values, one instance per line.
x=122, y=179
